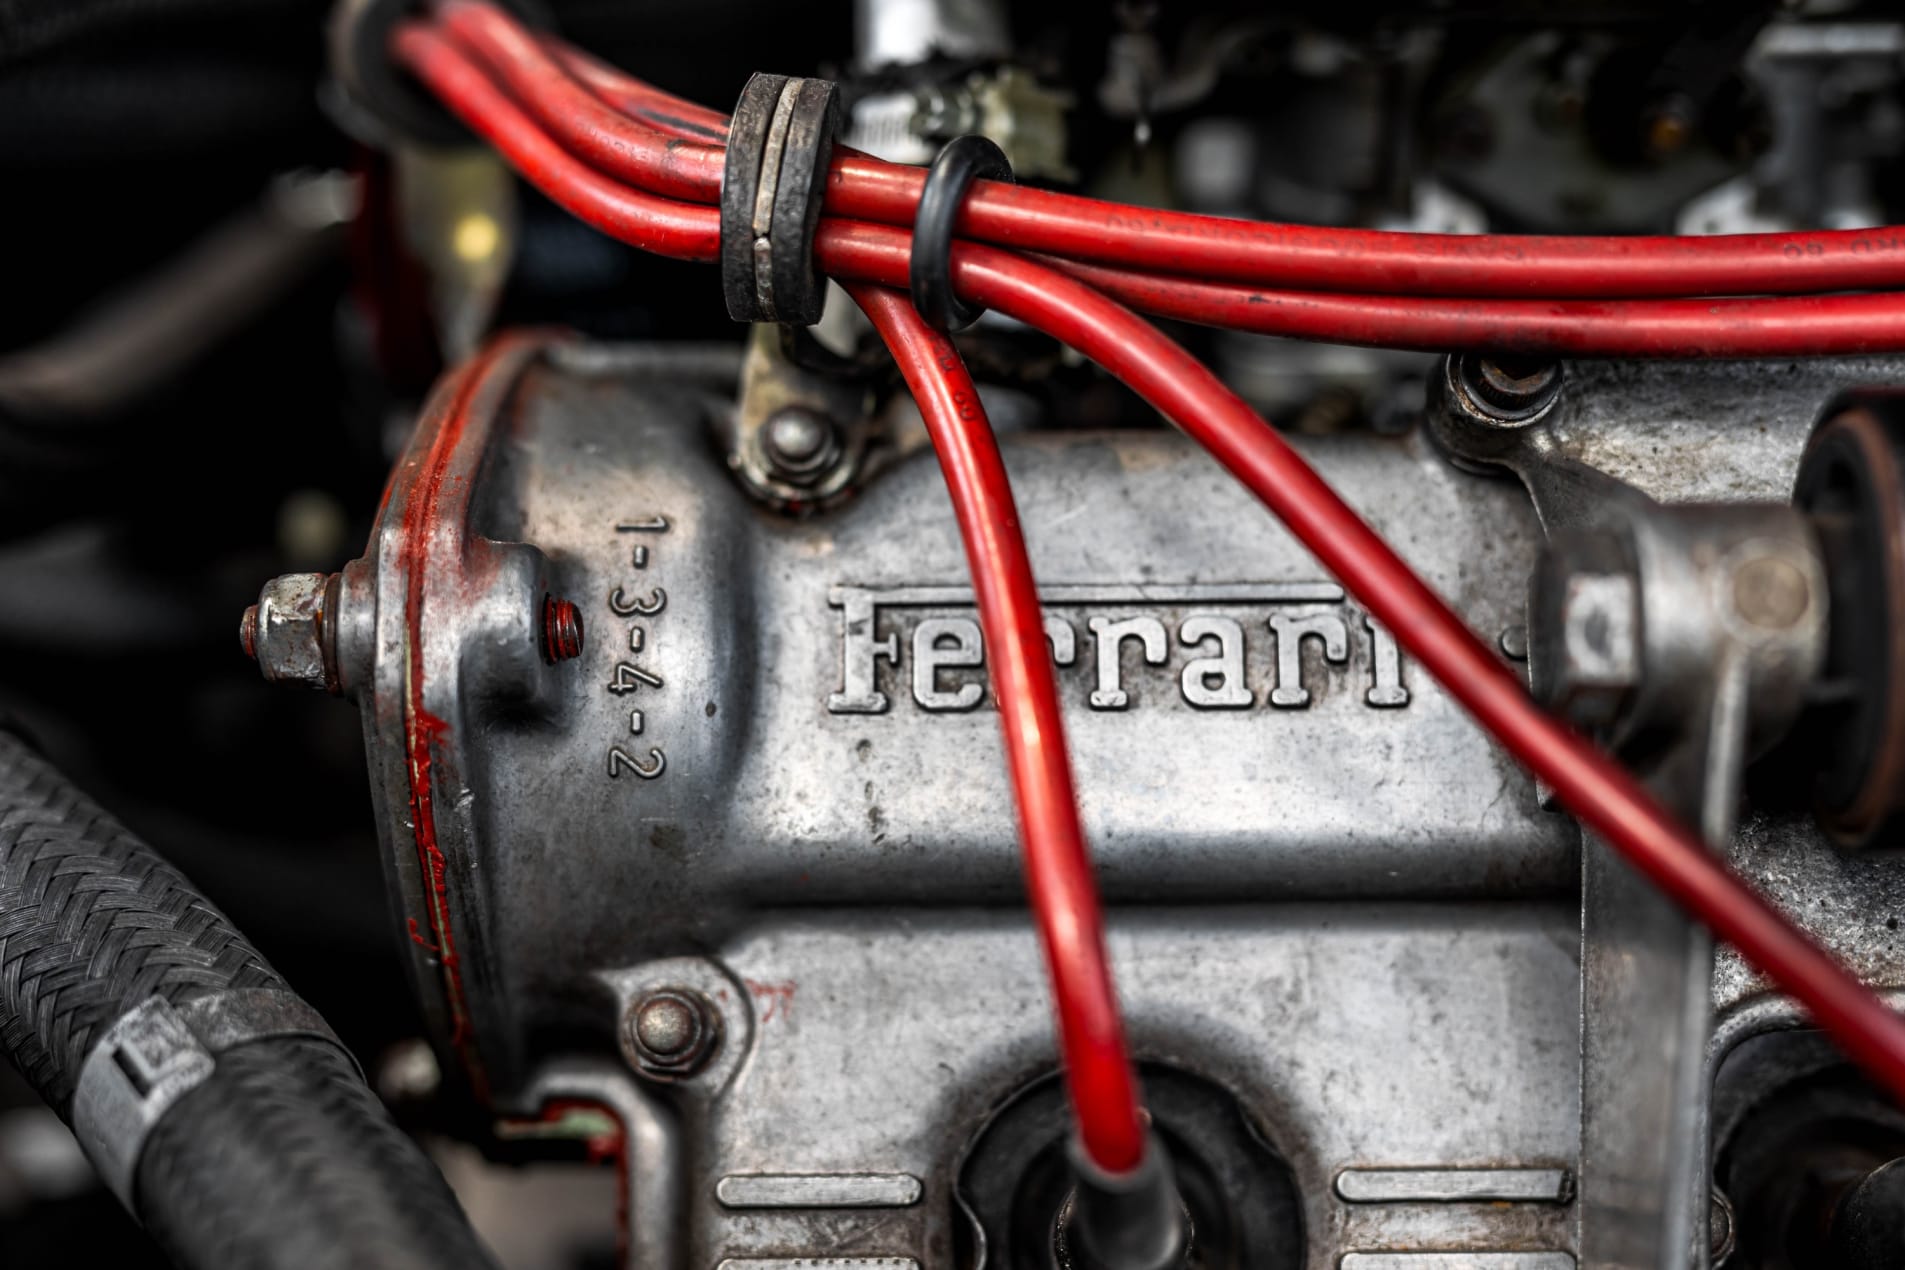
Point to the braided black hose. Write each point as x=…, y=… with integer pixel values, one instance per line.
x=282, y=1157
x=285, y=1159
x=91, y=924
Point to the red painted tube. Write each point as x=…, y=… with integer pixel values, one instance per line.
x=1311, y=258
x=1784, y=326
x=650, y=139
x=597, y=143
x=589, y=128
x=1602, y=795
x=1098, y=1072
x=666, y=227
x=661, y=110
x=1780, y=326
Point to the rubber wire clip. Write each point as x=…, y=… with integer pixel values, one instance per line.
x=964, y=160
x=779, y=146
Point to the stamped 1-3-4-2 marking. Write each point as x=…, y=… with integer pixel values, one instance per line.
x=630, y=602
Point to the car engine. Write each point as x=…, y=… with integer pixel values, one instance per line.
x=1087, y=636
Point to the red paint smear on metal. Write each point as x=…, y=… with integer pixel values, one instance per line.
x=423, y=730
x=777, y=999
x=603, y=1148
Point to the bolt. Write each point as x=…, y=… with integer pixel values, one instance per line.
x=1598, y=626
x=671, y=1033
x=666, y=1026
x=1770, y=593
x=561, y=630
x=800, y=444
x=284, y=632
x=1509, y=390
x=1584, y=631
x=1514, y=642
x=1720, y=1226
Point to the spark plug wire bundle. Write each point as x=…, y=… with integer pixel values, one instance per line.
x=648, y=169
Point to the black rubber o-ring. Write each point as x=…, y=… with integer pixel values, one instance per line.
x=963, y=161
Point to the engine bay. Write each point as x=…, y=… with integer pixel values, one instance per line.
x=1101, y=636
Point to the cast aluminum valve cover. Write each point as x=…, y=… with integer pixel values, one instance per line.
x=769, y=787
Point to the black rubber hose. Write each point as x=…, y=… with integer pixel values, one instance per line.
x=282, y=1158
x=285, y=1159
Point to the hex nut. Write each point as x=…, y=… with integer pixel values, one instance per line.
x=287, y=634
x=800, y=444
x=1508, y=391
x=1585, y=649
x=671, y=1033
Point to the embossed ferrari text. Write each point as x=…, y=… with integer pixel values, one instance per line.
x=930, y=639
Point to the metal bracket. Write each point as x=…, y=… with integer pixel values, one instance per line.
x=821, y=403
x=157, y=1053
x=1686, y=635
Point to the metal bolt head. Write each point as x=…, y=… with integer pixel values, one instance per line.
x=1720, y=1227
x=1508, y=390
x=666, y=1025
x=1584, y=631
x=671, y=1033
x=561, y=630
x=1600, y=646
x=284, y=631
x=800, y=444
x=1514, y=642
x=1482, y=410
x=1771, y=593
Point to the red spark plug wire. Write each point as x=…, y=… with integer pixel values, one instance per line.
x=1761, y=327
x=666, y=113
x=1604, y=796
x=1310, y=258
x=591, y=129
x=686, y=231
x=1728, y=326
x=1058, y=874
x=1261, y=254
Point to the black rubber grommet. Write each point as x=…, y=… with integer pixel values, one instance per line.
x=800, y=293
x=963, y=161
x=376, y=87
x=740, y=179
x=1851, y=483
x=781, y=137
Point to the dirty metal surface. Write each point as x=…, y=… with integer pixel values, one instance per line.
x=736, y=737
x=1356, y=1037
x=772, y=777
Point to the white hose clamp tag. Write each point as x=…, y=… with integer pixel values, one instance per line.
x=156, y=1053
